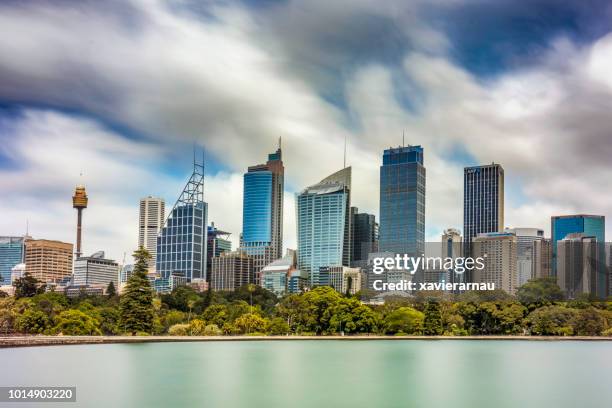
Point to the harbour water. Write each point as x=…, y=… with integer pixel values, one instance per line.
x=421, y=373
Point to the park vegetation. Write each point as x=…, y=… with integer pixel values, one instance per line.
x=538, y=309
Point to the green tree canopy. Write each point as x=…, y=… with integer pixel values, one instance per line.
x=136, y=303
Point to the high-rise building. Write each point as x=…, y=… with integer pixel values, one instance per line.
x=217, y=243
x=231, y=270
x=150, y=222
x=452, y=247
x=323, y=224
x=483, y=201
x=79, y=201
x=11, y=254
x=542, y=258
x=577, y=267
x=342, y=278
x=402, y=201
x=262, y=212
x=48, y=261
x=274, y=277
x=526, y=252
x=499, y=252
x=365, y=236
x=95, y=270
x=590, y=226
x=181, y=244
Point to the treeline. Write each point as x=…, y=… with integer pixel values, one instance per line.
x=538, y=309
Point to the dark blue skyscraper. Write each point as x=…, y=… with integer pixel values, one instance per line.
x=262, y=212
x=402, y=201
x=483, y=201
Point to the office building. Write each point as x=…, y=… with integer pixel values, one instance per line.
x=590, y=226
x=402, y=201
x=11, y=254
x=231, y=270
x=343, y=279
x=323, y=224
x=17, y=272
x=577, y=265
x=388, y=276
x=150, y=222
x=95, y=270
x=126, y=272
x=542, y=258
x=163, y=285
x=217, y=243
x=452, y=247
x=499, y=251
x=181, y=244
x=48, y=261
x=364, y=230
x=262, y=212
x=297, y=281
x=526, y=252
x=483, y=202
x=274, y=277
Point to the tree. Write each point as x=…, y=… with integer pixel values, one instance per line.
x=590, y=322
x=552, y=321
x=537, y=292
x=111, y=292
x=404, y=320
x=27, y=286
x=76, y=323
x=278, y=327
x=216, y=314
x=136, y=304
x=433, y=319
x=250, y=323
x=32, y=321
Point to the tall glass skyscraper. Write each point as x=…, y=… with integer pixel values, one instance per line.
x=402, y=201
x=262, y=212
x=181, y=244
x=11, y=254
x=483, y=201
x=589, y=226
x=365, y=236
x=324, y=225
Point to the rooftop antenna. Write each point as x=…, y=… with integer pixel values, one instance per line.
x=27, y=227
x=403, y=138
x=279, y=142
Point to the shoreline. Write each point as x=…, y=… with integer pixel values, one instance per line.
x=39, y=341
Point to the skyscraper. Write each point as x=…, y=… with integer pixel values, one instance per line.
x=365, y=236
x=150, y=222
x=452, y=247
x=181, y=244
x=526, y=252
x=217, y=243
x=323, y=224
x=231, y=270
x=589, y=225
x=95, y=270
x=11, y=254
x=483, y=201
x=48, y=261
x=402, y=201
x=577, y=267
x=262, y=212
x=498, y=249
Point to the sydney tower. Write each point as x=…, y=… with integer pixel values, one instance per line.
x=79, y=201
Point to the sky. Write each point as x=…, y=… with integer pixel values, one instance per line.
x=115, y=94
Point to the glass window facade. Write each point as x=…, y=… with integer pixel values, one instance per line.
x=402, y=201
x=257, y=207
x=11, y=254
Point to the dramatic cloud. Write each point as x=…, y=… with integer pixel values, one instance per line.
x=120, y=90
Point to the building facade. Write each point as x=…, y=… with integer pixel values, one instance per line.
x=323, y=225
x=181, y=244
x=262, y=212
x=11, y=253
x=365, y=235
x=402, y=201
x=483, y=202
x=526, y=252
x=217, y=243
x=231, y=270
x=577, y=268
x=452, y=247
x=542, y=258
x=591, y=226
x=275, y=276
x=150, y=222
x=48, y=261
x=95, y=270
x=499, y=251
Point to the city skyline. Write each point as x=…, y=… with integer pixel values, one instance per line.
x=535, y=99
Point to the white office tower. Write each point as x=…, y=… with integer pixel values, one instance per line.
x=151, y=221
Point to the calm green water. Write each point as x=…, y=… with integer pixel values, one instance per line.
x=321, y=374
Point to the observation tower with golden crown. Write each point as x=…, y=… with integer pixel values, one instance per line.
x=79, y=201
